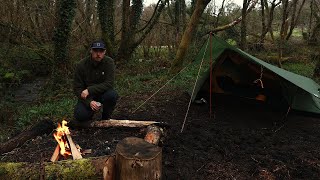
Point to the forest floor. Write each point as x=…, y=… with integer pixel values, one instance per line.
x=241, y=140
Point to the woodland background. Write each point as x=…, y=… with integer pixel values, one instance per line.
x=40, y=41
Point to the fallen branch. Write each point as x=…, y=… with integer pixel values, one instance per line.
x=116, y=123
x=90, y=168
x=43, y=127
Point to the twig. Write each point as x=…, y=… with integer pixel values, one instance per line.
x=200, y=168
x=255, y=160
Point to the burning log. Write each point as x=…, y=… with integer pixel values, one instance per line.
x=56, y=154
x=90, y=168
x=74, y=151
x=137, y=159
x=43, y=127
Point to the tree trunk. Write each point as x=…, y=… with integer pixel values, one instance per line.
x=295, y=16
x=62, y=63
x=243, y=34
x=283, y=29
x=106, y=16
x=316, y=72
x=137, y=159
x=187, y=35
x=90, y=168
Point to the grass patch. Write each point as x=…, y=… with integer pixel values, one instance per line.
x=300, y=68
x=56, y=110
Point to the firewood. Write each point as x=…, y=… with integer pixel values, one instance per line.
x=74, y=151
x=109, y=169
x=56, y=154
x=153, y=135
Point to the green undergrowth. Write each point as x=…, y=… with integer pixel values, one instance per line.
x=56, y=110
x=300, y=68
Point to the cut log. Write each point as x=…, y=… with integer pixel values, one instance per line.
x=153, y=135
x=90, y=168
x=109, y=170
x=74, y=151
x=43, y=127
x=137, y=159
x=116, y=123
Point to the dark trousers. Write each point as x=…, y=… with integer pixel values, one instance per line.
x=82, y=112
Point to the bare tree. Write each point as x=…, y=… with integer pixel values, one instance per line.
x=187, y=35
x=314, y=28
x=243, y=29
x=267, y=13
x=131, y=36
x=295, y=14
x=289, y=11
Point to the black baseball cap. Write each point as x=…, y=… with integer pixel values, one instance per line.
x=98, y=45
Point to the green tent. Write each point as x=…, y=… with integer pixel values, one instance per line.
x=236, y=72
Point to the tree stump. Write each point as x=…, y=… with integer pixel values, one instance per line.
x=137, y=159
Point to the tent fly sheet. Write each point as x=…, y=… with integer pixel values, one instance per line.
x=236, y=72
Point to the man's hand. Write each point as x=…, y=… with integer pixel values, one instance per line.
x=84, y=94
x=95, y=106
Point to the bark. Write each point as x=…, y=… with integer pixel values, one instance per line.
x=187, y=35
x=106, y=17
x=271, y=16
x=267, y=26
x=109, y=170
x=90, y=168
x=153, y=134
x=283, y=29
x=116, y=123
x=314, y=29
x=243, y=29
x=62, y=62
x=295, y=17
x=127, y=47
x=316, y=72
x=43, y=127
x=137, y=159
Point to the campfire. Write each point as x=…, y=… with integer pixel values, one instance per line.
x=66, y=147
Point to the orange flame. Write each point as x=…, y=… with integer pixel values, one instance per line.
x=60, y=136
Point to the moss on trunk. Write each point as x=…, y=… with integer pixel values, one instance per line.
x=69, y=169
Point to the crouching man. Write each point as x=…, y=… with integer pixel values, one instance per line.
x=93, y=84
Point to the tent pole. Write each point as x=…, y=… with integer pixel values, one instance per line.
x=210, y=75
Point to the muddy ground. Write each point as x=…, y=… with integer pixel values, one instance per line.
x=242, y=139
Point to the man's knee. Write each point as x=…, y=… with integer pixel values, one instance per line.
x=110, y=96
x=81, y=113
